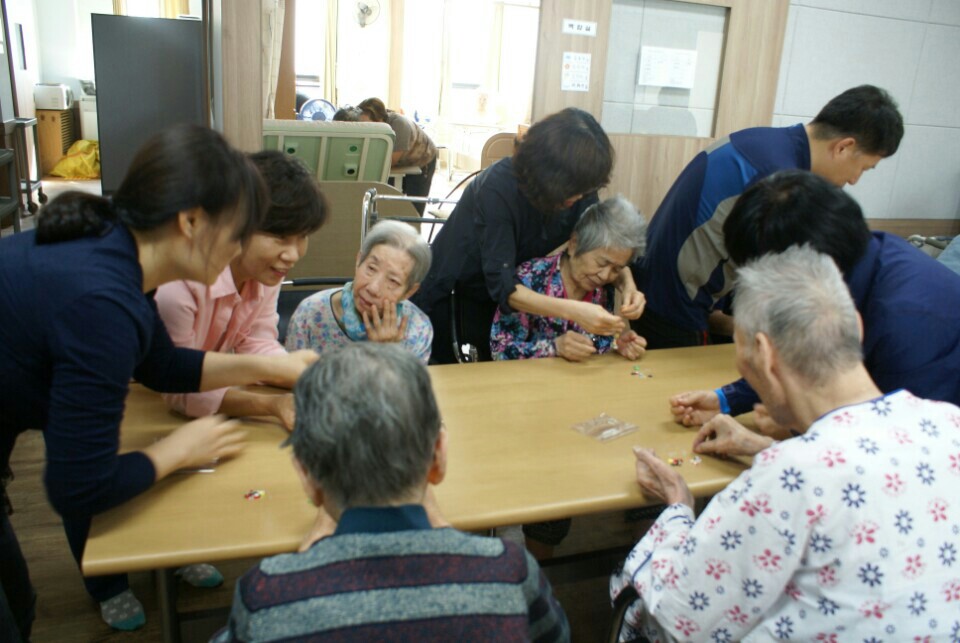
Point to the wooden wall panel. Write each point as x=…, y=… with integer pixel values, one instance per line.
x=751, y=64
x=925, y=227
x=547, y=97
x=285, y=103
x=646, y=166
x=242, y=86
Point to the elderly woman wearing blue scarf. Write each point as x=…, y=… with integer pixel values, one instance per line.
x=373, y=307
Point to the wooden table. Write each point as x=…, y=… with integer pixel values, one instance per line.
x=513, y=458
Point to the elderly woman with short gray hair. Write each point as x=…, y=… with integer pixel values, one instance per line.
x=392, y=262
x=608, y=236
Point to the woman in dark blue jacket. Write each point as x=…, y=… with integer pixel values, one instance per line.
x=79, y=321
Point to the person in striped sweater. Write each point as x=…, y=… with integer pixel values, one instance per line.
x=380, y=562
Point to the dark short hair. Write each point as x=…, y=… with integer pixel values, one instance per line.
x=296, y=204
x=180, y=168
x=563, y=155
x=374, y=109
x=794, y=207
x=367, y=424
x=347, y=114
x=866, y=113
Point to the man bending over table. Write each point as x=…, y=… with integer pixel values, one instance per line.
x=849, y=529
x=908, y=301
x=381, y=564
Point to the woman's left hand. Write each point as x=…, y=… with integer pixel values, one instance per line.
x=658, y=480
x=631, y=345
x=387, y=329
x=281, y=407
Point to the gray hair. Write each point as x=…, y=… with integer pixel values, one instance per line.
x=401, y=236
x=613, y=223
x=367, y=424
x=799, y=300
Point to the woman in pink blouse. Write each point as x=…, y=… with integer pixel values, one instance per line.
x=238, y=313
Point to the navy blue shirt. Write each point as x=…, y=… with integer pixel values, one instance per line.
x=910, y=306
x=685, y=269
x=76, y=326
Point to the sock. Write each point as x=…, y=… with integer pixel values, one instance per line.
x=123, y=612
x=202, y=575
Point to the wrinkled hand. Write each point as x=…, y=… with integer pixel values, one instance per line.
x=206, y=440
x=724, y=436
x=286, y=369
x=281, y=407
x=694, y=408
x=574, y=347
x=595, y=319
x=633, y=304
x=323, y=526
x=631, y=345
x=387, y=329
x=657, y=479
x=767, y=425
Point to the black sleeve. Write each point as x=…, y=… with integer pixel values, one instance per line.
x=95, y=343
x=168, y=368
x=496, y=233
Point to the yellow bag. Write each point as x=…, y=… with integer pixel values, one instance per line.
x=81, y=162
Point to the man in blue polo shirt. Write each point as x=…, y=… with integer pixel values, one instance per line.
x=908, y=302
x=685, y=273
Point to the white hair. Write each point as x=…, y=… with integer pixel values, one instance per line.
x=401, y=236
x=799, y=300
x=613, y=223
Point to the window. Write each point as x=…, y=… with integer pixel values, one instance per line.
x=663, y=67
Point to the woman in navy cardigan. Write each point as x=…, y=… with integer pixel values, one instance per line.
x=78, y=321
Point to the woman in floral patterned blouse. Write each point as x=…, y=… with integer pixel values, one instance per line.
x=608, y=237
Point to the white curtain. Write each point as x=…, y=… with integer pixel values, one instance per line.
x=271, y=44
x=330, y=57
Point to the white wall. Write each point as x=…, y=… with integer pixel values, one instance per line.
x=363, y=53
x=912, y=50
x=21, y=13
x=66, y=41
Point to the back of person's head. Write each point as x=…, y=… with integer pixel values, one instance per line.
x=347, y=114
x=612, y=223
x=401, y=236
x=561, y=156
x=794, y=207
x=300, y=99
x=181, y=168
x=799, y=300
x=866, y=113
x=297, y=206
x=374, y=108
x=367, y=424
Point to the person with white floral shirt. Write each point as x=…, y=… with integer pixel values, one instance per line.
x=849, y=531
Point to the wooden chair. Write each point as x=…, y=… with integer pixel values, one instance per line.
x=624, y=600
x=498, y=146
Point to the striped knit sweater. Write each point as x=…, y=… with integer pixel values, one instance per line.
x=385, y=575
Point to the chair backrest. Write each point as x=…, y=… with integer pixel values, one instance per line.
x=332, y=251
x=333, y=150
x=497, y=147
x=624, y=600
